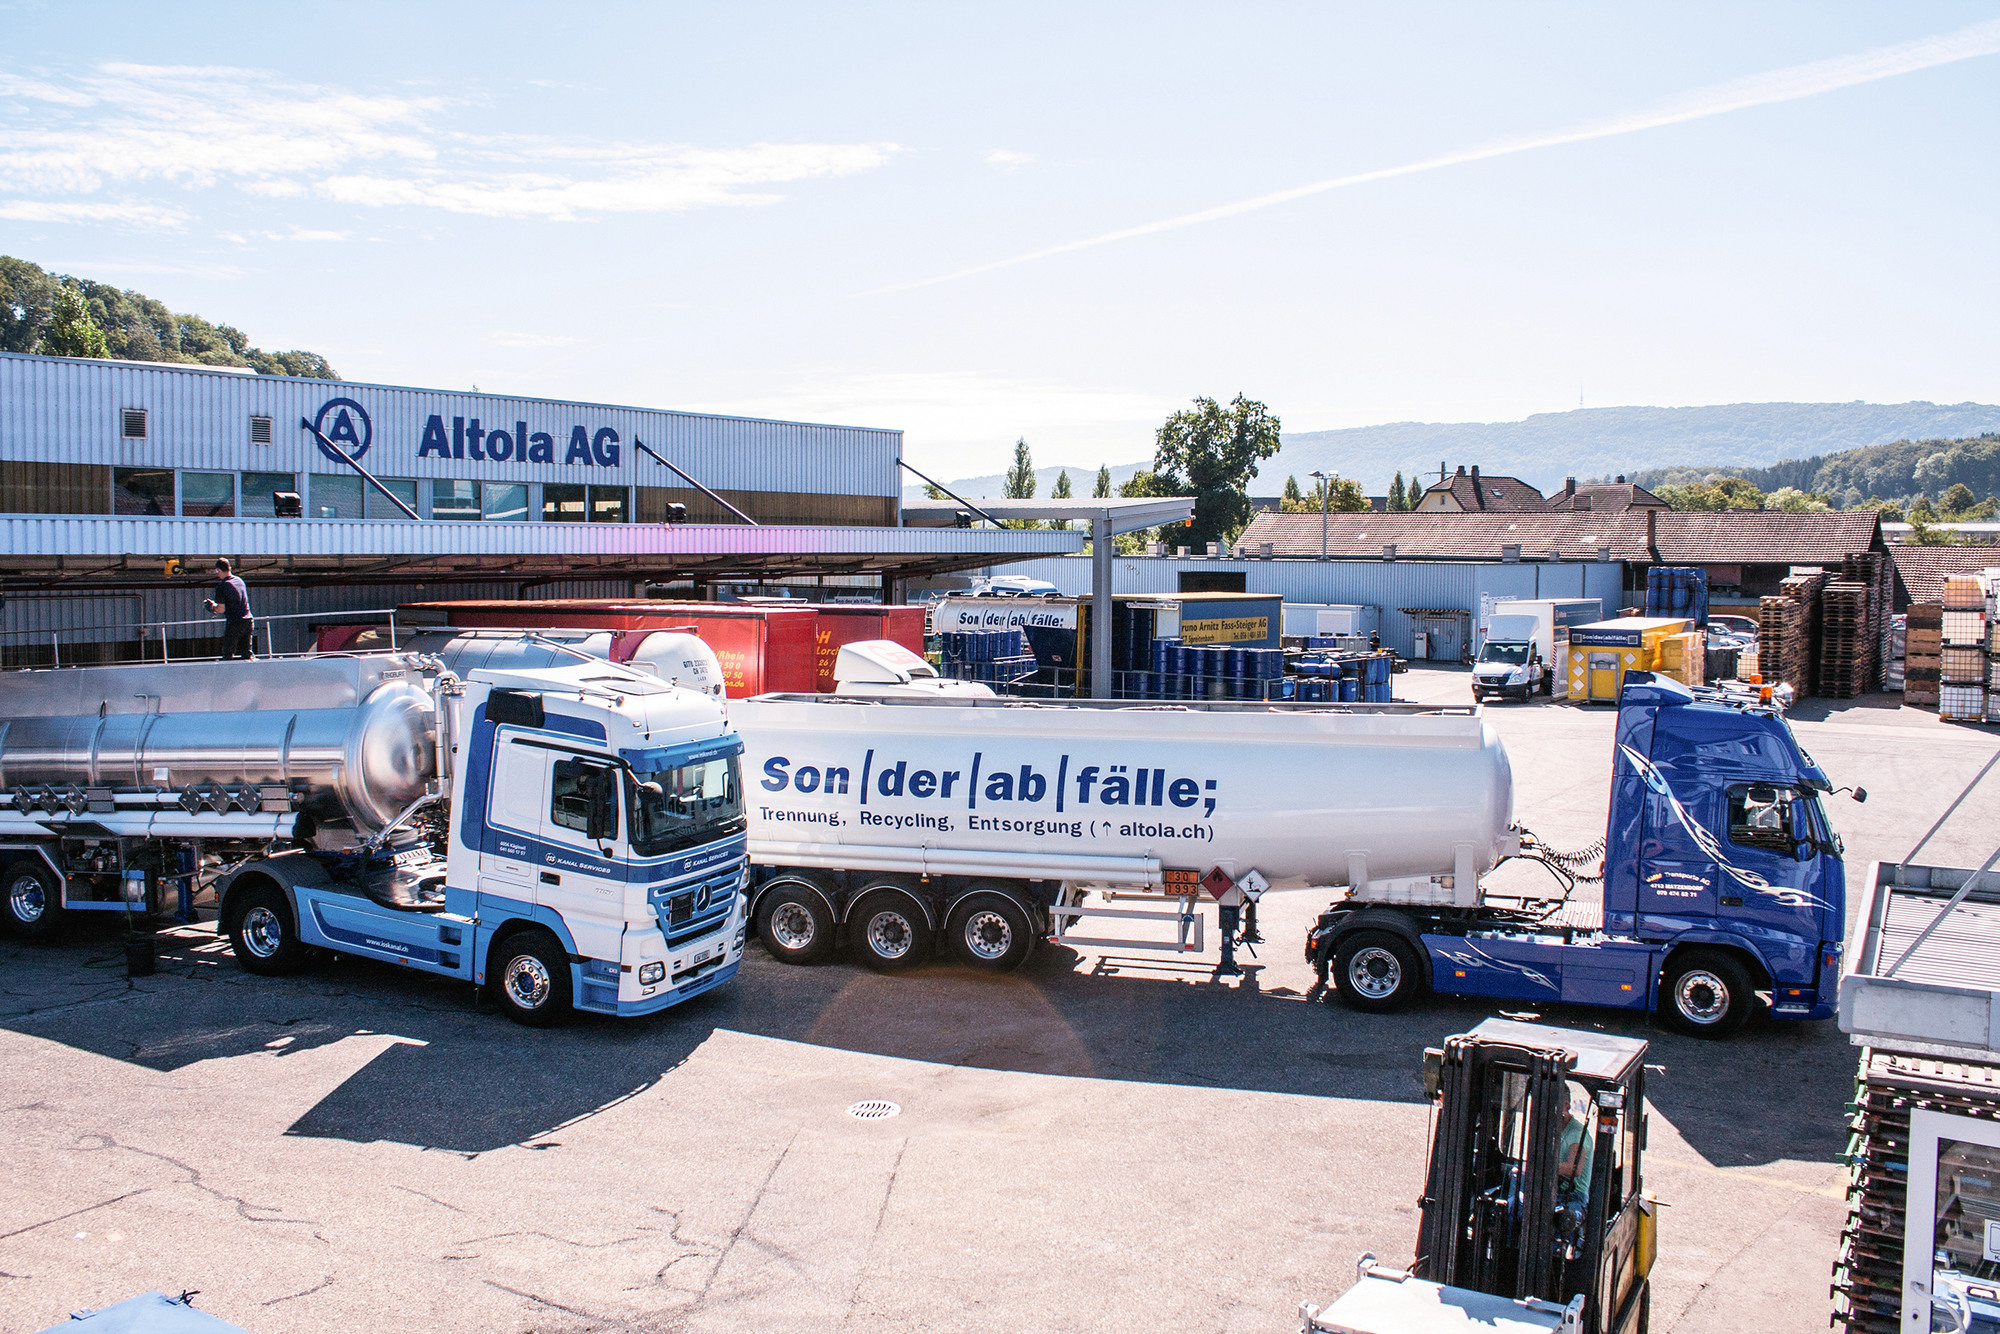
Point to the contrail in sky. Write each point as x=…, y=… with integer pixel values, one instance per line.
x=1780, y=85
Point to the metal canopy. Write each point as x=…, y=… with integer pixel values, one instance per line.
x=1125, y=516
x=1106, y=518
x=94, y=552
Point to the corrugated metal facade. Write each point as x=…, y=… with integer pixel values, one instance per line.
x=1390, y=585
x=69, y=411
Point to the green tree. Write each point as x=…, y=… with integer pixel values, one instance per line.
x=1794, y=501
x=1291, y=493
x=72, y=332
x=1347, y=498
x=1955, y=500
x=1102, y=491
x=1020, y=482
x=1212, y=451
x=1398, y=502
x=1060, y=491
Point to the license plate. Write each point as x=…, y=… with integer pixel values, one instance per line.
x=680, y=909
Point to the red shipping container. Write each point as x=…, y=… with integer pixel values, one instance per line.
x=849, y=623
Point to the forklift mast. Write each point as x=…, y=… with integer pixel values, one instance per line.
x=1534, y=1188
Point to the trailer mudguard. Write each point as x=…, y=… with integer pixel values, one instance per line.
x=288, y=871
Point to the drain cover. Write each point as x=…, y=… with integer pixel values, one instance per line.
x=875, y=1109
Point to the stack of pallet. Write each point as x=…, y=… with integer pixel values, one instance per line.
x=1872, y=568
x=1962, y=664
x=1848, y=641
x=1788, y=630
x=1923, y=645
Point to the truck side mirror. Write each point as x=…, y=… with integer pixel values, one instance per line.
x=1861, y=794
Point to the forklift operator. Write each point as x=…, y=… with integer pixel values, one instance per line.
x=1577, y=1153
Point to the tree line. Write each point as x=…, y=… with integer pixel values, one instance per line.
x=61, y=316
x=1929, y=479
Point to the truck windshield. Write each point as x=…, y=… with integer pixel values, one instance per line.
x=1511, y=654
x=675, y=807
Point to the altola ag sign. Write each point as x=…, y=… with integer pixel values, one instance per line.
x=516, y=444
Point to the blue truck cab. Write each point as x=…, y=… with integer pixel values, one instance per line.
x=1722, y=882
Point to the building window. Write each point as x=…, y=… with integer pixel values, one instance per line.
x=506, y=502
x=454, y=498
x=335, y=497
x=260, y=487
x=377, y=504
x=609, y=504
x=132, y=424
x=143, y=491
x=562, y=502
x=208, y=495
x=260, y=430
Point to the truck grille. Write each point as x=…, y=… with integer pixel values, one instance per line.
x=692, y=910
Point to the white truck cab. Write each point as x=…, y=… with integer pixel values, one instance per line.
x=882, y=667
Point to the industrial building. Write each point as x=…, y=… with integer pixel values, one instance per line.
x=120, y=482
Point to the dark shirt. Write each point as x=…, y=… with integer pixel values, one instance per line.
x=234, y=597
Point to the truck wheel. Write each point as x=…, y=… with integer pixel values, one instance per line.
x=1376, y=972
x=530, y=976
x=1705, y=994
x=795, y=924
x=889, y=931
x=30, y=898
x=264, y=935
x=990, y=931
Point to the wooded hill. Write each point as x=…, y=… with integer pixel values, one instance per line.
x=1898, y=472
x=135, y=326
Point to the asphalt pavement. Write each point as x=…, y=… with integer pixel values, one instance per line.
x=1102, y=1141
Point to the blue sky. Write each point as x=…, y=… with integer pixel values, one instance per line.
x=808, y=211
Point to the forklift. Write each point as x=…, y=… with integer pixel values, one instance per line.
x=1534, y=1216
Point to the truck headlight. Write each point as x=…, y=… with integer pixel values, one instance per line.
x=650, y=973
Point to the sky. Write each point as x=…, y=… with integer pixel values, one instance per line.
x=1051, y=222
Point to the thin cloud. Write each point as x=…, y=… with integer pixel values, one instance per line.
x=1772, y=86
x=197, y=127
x=135, y=215
x=90, y=268
x=1008, y=159
x=533, y=340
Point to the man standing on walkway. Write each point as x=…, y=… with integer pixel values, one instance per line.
x=232, y=600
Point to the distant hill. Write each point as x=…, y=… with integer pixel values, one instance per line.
x=1586, y=442
x=136, y=327
x=992, y=485
x=1899, y=472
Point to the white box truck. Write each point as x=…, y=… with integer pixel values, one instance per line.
x=1523, y=643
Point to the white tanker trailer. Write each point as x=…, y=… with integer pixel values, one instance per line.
x=562, y=829
x=986, y=822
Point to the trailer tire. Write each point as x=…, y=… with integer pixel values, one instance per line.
x=990, y=931
x=1705, y=994
x=264, y=932
x=1376, y=972
x=30, y=898
x=888, y=929
x=530, y=978
x=794, y=923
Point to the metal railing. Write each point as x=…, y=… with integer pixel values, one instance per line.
x=143, y=632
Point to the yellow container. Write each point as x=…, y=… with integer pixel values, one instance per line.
x=1601, y=654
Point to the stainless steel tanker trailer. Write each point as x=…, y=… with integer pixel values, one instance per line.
x=563, y=830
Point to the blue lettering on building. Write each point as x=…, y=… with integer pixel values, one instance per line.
x=472, y=439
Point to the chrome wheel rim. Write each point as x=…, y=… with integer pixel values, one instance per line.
x=988, y=934
x=1701, y=997
x=27, y=898
x=527, y=982
x=792, y=926
x=263, y=933
x=890, y=935
x=1375, y=972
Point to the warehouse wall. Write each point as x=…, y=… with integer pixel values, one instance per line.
x=1390, y=585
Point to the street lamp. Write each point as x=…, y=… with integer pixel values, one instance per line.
x=1325, y=499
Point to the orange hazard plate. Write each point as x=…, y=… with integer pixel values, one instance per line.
x=1180, y=884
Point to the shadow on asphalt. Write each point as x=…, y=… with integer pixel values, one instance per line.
x=465, y=1080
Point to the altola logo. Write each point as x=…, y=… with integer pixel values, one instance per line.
x=469, y=439
x=342, y=424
